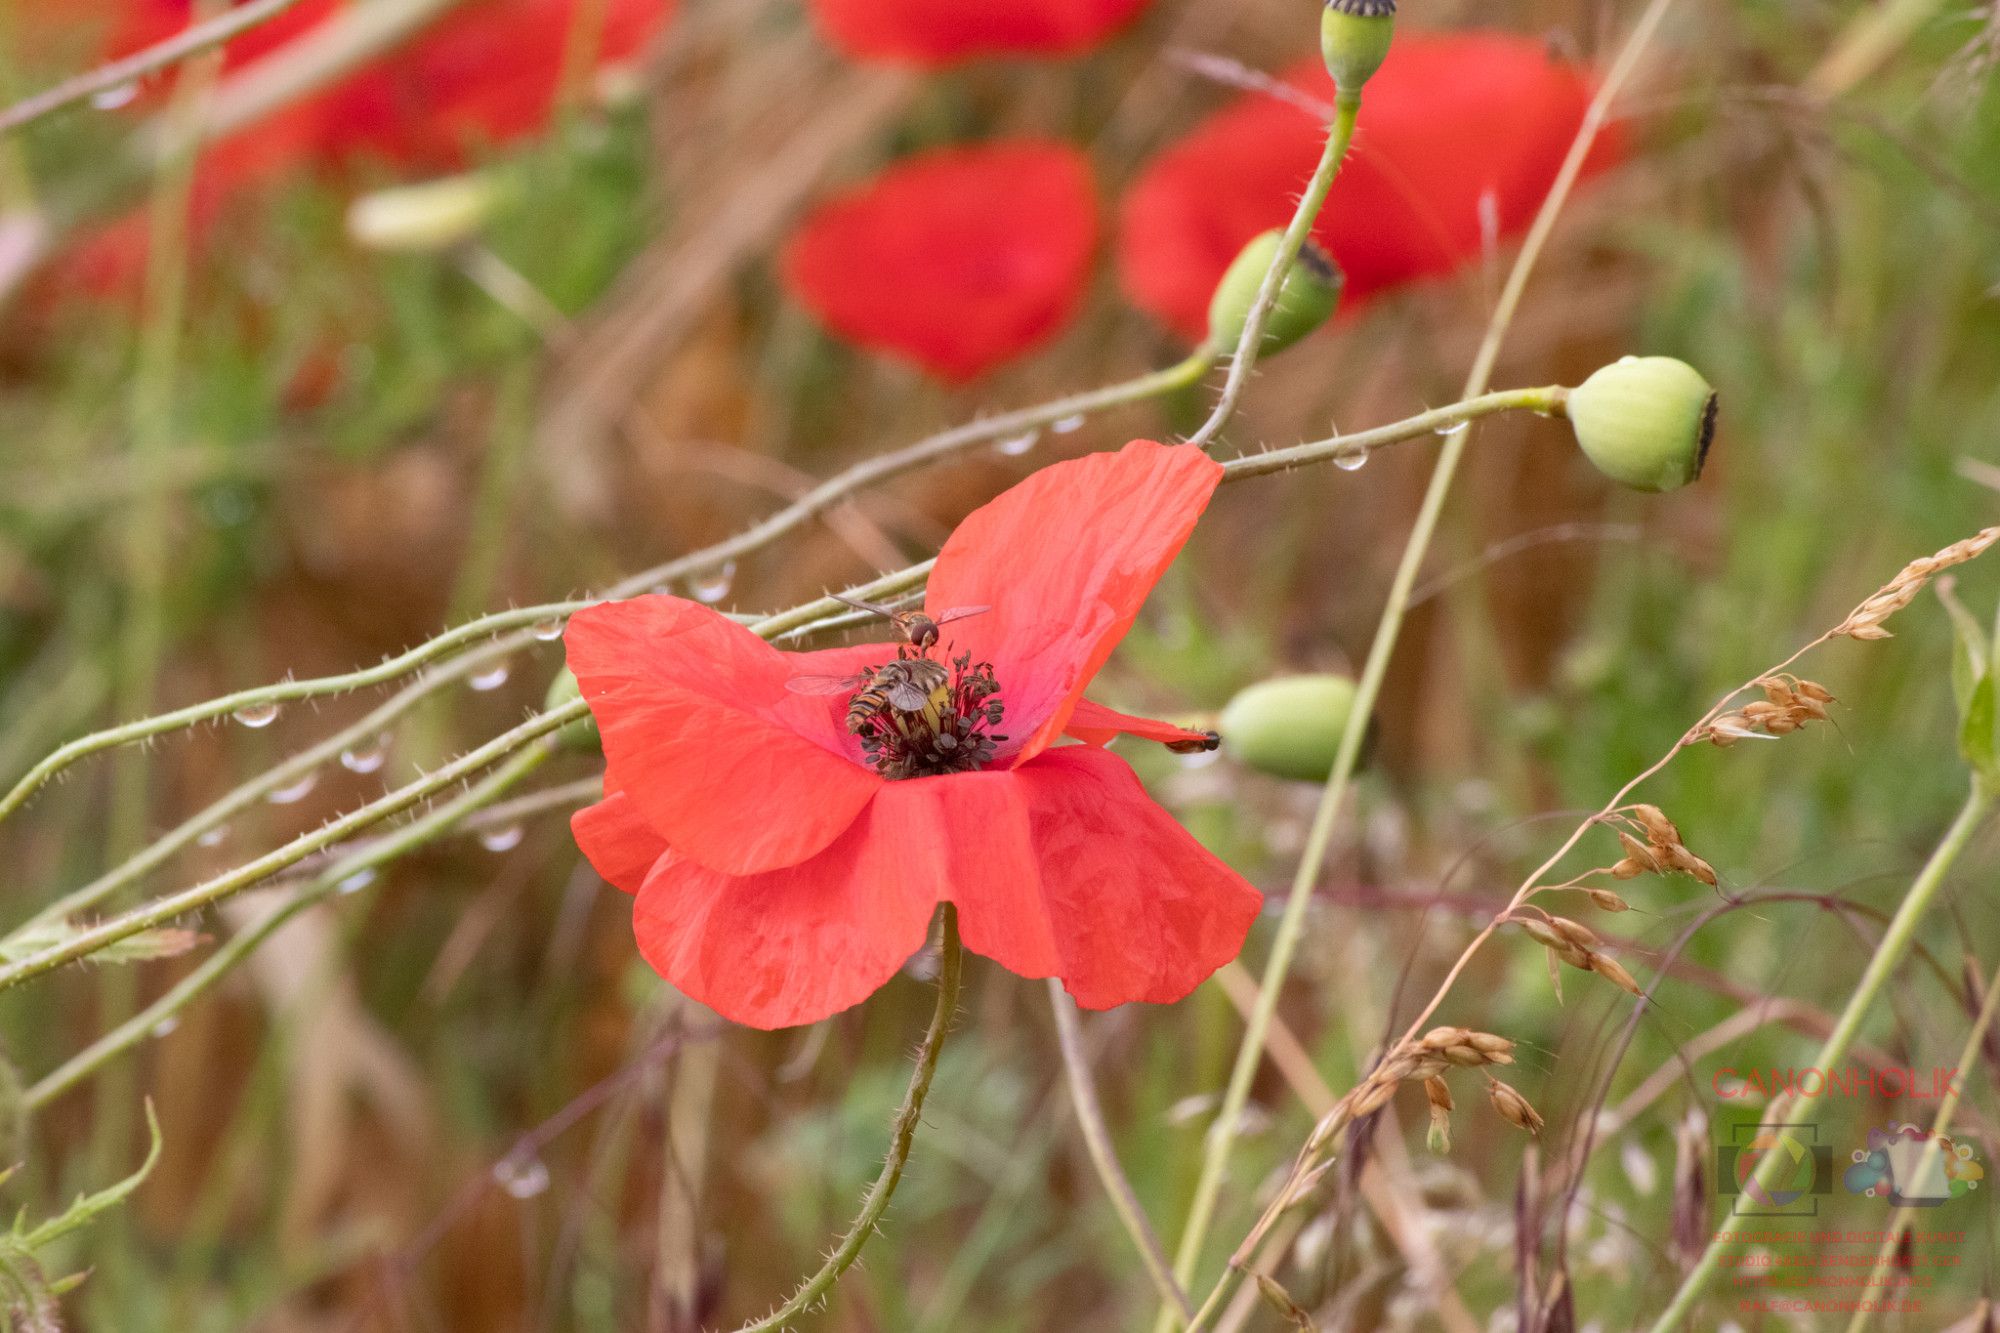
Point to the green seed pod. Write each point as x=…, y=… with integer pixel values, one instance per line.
x=1289, y=727
x=1354, y=37
x=1645, y=421
x=1306, y=301
x=582, y=733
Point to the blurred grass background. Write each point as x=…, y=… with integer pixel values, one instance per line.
x=366, y=448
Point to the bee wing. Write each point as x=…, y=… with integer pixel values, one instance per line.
x=959, y=613
x=907, y=697
x=808, y=684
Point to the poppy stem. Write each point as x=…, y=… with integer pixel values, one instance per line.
x=1291, y=925
x=902, y=1132
x=1244, y=360
x=1104, y=1155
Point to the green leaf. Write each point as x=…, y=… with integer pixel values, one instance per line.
x=1976, y=739
x=1969, y=661
x=88, y=1206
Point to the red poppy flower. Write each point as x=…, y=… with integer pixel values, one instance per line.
x=488, y=73
x=943, y=32
x=957, y=260
x=1460, y=137
x=782, y=874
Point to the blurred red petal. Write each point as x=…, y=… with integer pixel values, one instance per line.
x=941, y=32
x=730, y=767
x=958, y=260
x=619, y=844
x=1065, y=559
x=1460, y=137
x=1094, y=724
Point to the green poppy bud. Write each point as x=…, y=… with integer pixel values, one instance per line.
x=1306, y=301
x=1645, y=421
x=582, y=733
x=1354, y=37
x=1290, y=726
x=425, y=218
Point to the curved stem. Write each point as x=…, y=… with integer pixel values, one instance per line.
x=1888, y=956
x=1104, y=1155
x=903, y=1131
x=246, y=941
x=814, y=502
x=1291, y=924
x=185, y=44
x=162, y=910
x=1251, y=341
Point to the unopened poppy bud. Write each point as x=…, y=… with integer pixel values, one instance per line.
x=1645, y=421
x=1354, y=37
x=1306, y=301
x=582, y=733
x=421, y=219
x=1290, y=726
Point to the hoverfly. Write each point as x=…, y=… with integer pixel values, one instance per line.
x=906, y=685
x=921, y=630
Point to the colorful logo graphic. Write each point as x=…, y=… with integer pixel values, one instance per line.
x=1795, y=1170
x=1913, y=1169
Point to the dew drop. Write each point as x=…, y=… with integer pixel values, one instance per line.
x=165, y=1027
x=549, y=629
x=1016, y=445
x=712, y=585
x=1068, y=425
x=293, y=793
x=1351, y=458
x=213, y=837
x=121, y=94
x=503, y=839
x=1446, y=432
x=356, y=882
x=490, y=679
x=255, y=716
x=521, y=1179
x=366, y=758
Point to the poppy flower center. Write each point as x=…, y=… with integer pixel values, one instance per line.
x=918, y=717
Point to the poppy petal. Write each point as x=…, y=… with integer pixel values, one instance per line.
x=1058, y=607
x=787, y=946
x=941, y=32
x=724, y=762
x=1460, y=136
x=957, y=260
x=1125, y=905
x=619, y=844
x=1094, y=724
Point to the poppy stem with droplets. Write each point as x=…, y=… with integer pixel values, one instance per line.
x=903, y=1132
x=1339, y=134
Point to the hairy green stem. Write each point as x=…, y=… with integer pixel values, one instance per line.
x=903, y=1131
x=246, y=941
x=1104, y=1154
x=1291, y=924
x=1251, y=342
x=1882, y=964
x=821, y=498
x=211, y=891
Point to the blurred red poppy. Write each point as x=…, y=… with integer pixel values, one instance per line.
x=1460, y=136
x=785, y=867
x=943, y=32
x=487, y=74
x=958, y=260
